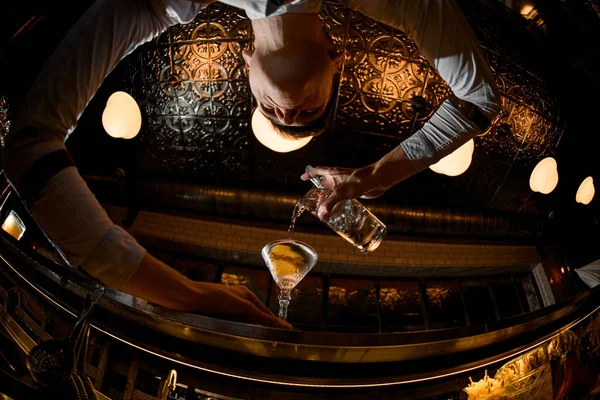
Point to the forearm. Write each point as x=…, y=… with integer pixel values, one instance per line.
x=160, y=284
x=89, y=239
x=391, y=169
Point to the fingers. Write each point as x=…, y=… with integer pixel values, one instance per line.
x=257, y=312
x=251, y=297
x=335, y=197
x=253, y=314
x=322, y=196
x=315, y=172
x=371, y=194
x=329, y=177
x=325, y=171
x=236, y=303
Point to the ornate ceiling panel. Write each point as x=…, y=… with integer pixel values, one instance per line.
x=194, y=91
x=4, y=120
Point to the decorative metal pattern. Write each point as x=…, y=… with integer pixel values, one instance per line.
x=193, y=86
x=382, y=74
x=4, y=121
x=195, y=92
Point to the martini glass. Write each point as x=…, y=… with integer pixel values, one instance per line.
x=289, y=261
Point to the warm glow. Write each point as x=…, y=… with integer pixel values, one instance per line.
x=544, y=177
x=266, y=134
x=586, y=191
x=122, y=117
x=13, y=225
x=526, y=9
x=456, y=162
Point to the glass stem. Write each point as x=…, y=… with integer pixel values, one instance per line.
x=284, y=301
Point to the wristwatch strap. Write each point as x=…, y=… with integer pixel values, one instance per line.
x=471, y=112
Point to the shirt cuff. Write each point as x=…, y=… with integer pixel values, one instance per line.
x=446, y=131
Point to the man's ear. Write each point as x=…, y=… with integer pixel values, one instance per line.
x=338, y=59
x=247, y=54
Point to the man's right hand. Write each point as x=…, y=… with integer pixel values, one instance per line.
x=236, y=303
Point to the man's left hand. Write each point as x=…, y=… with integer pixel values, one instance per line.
x=346, y=183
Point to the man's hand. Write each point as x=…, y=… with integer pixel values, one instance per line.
x=160, y=284
x=236, y=303
x=346, y=183
x=367, y=182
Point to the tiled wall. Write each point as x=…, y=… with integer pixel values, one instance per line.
x=406, y=257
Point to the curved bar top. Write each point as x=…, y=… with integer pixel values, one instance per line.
x=255, y=352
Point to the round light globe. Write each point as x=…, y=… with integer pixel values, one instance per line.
x=266, y=134
x=586, y=191
x=456, y=162
x=544, y=176
x=122, y=117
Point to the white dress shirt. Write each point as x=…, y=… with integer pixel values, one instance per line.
x=256, y=9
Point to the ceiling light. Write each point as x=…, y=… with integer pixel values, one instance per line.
x=544, y=176
x=526, y=9
x=122, y=117
x=456, y=162
x=266, y=134
x=586, y=191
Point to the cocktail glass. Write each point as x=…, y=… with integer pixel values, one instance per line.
x=289, y=261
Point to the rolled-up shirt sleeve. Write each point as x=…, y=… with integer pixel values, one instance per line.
x=73, y=218
x=65, y=207
x=447, y=41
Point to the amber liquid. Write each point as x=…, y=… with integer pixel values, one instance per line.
x=289, y=262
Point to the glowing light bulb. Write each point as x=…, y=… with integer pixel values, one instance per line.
x=586, y=191
x=526, y=9
x=122, y=117
x=265, y=133
x=544, y=176
x=456, y=162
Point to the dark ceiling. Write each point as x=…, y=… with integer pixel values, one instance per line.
x=547, y=68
